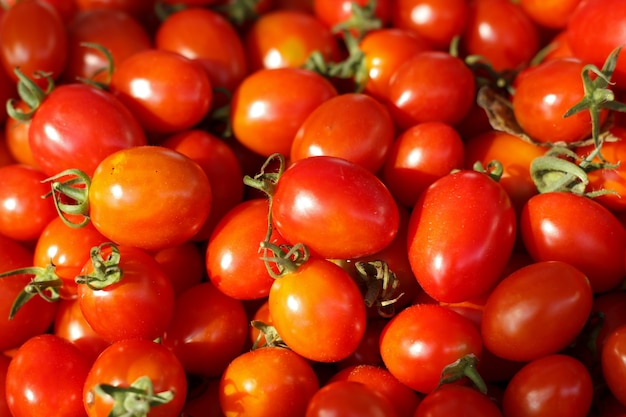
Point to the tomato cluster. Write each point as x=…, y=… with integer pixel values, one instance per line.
x=305, y=208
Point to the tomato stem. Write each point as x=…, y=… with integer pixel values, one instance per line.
x=238, y=12
x=380, y=285
x=362, y=20
x=494, y=169
x=30, y=93
x=286, y=259
x=136, y=400
x=105, y=259
x=464, y=367
x=45, y=283
x=272, y=338
x=74, y=185
x=109, y=68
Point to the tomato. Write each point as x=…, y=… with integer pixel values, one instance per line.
x=139, y=9
x=286, y=38
x=40, y=47
x=612, y=307
x=548, y=386
x=124, y=363
x=547, y=303
x=138, y=304
x=551, y=229
x=71, y=119
x=16, y=136
x=368, y=352
x=166, y=91
x=207, y=331
x=439, y=22
x=331, y=130
x=500, y=32
x=592, y=45
x=458, y=251
x=36, y=316
x=37, y=388
x=204, y=401
x=349, y=399
x=246, y=388
x=402, y=398
x=7, y=89
x=233, y=250
x=117, y=31
x=270, y=105
x=422, y=339
x=452, y=399
x=613, y=364
x=551, y=14
x=4, y=366
x=183, y=263
x=544, y=93
x=338, y=14
x=150, y=197
x=23, y=212
x=418, y=157
x=431, y=86
x=358, y=213
x=319, y=291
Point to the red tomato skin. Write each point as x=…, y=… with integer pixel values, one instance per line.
x=359, y=215
x=4, y=366
x=453, y=399
x=30, y=391
x=461, y=233
x=550, y=14
x=551, y=229
x=613, y=363
x=349, y=399
x=548, y=302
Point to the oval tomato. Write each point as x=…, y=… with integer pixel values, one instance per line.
x=454, y=400
x=613, y=364
x=349, y=398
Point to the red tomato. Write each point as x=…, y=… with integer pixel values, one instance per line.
x=204, y=402
x=16, y=136
x=422, y=339
x=552, y=230
x=551, y=14
x=365, y=139
x=612, y=306
x=418, y=157
x=548, y=386
x=318, y=292
x=72, y=118
x=436, y=21
x=338, y=13
x=33, y=47
x=246, y=388
x=7, y=89
x=430, y=86
x=207, y=331
x=613, y=364
x=349, y=399
x=51, y=387
x=150, y=197
x=143, y=292
x=270, y=105
x=139, y=9
x=536, y=311
x=123, y=363
x=164, y=90
x=4, y=366
x=357, y=213
x=455, y=400
x=461, y=234
x=368, y=352
x=183, y=263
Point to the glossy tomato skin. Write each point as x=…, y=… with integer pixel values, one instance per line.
x=564, y=382
x=4, y=366
x=175, y=92
x=74, y=117
x=139, y=9
x=149, y=197
x=29, y=388
x=453, y=399
x=422, y=339
x=247, y=389
x=350, y=399
x=270, y=105
x=16, y=136
x=551, y=229
x=535, y=311
x=613, y=364
x=183, y=263
x=550, y=14
x=461, y=233
x=333, y=13
x=123, y=362
x=337, y=208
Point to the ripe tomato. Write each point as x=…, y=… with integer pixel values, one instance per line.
x=365, y=139
x=613, y=365
x=612, y=306
x=246, y=388
x=337, y=13
x=16, y=136
x=349, y=398
x=547, y=303
x=319, y=291
x=357, y=213
x=564, y=383
x=139, y=9
x=270, y=105
x=166, y=91
x=4, y=366
x=431, y=86
x=50, y=387
x=552, y=230
x=125, y=362
x=139, y=304
x=149, y=197
x=455, y=400
x=461, y=234
x=368, y=352
x=183, y=263
x=550, y=14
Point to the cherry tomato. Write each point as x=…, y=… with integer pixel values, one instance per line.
x=612, y=306
x=358, y=213
x=8, y=89
x=4, y=366
x=368, y=352
x=126, y=361
x=551, y=14
x=422, y=339
x=139, y=9
x=16, y=136
x=536, y=311
x=246, y=388
x=329, y=130
x=350, y=399
x=453, y=399
x=183, y=263
x=563, y=382
x=613, y=365
x=50, y=387
x=336, y=13
x=552, y=230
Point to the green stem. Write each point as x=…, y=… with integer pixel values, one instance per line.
x=464, y=367
x=136, y=400
x=105, y=259
x=45, y=283
x=75, y=185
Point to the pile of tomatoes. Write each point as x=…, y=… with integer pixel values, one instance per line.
x=284, y=208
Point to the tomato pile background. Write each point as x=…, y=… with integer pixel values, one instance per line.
x=312, y=208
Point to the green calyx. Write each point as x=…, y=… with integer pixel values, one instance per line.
x=380, y=286
x=106, y=267
x=362, y=20
x=464, y=367
x=45, y=283
x=31, y=93
x=136, y=400
x=74, y=185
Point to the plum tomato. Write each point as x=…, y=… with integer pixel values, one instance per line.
x=454, y=400
x=612, y=362
x=349, y=398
